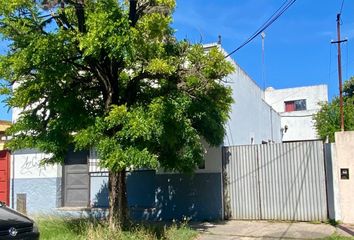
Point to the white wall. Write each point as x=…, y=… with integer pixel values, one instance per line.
x=299, y=124
x=251, y=117
x=213, y=159
x=344, y=142
x=26, y=164
x=40, y=184
x=312, y=94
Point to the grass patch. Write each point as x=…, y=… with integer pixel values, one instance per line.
x=55, y=228
x=338, y=237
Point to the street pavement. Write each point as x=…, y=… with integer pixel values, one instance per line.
x=232, y=230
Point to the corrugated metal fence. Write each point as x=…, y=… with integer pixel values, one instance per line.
x=275, y=182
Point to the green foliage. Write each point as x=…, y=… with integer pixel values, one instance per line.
x=337, y=236
x=89, y=229
x=327, y=120
x=348, y=87
x=111, y=75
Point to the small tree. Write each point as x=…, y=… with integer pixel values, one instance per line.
x=327, y=120
x=348, y=88
x=109, y=74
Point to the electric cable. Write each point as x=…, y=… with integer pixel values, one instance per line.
x=265, y=25
x=232, y=139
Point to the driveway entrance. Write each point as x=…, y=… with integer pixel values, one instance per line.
x=283, y=181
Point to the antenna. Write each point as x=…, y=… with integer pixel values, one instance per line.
x=263, y=62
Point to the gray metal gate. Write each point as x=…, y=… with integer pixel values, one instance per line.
x=275, y=182
x=76, y=180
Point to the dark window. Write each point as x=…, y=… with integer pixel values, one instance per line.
x=297, y=105
x=201, y=165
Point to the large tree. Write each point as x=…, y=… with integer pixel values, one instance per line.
x=327, y=120
x=110, y=74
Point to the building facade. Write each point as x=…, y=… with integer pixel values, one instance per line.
x=297, y=106
x=252, y=120
x=81, y=185
x=3, y=126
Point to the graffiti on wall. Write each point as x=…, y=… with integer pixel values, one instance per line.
x=32, y=165
x=29, y=166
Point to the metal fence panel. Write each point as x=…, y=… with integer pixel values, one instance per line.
x=241, y=171
x=93, y=162
x=287, y=182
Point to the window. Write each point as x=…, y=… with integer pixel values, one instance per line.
x=296, y=105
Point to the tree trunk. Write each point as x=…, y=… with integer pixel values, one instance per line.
x=118, y=204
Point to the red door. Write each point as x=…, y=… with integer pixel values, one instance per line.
x=5, y=176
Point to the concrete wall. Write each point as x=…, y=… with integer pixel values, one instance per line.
x=332, y=181
x=344, y=142
x=43, y=196
x=213, y=160
x=300, y=125
x=152, y=196
x=160, y=195
x=41, y=184
x=252, y=120
x=163, y=197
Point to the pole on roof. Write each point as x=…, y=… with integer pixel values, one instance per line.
x=263, y=62
x=219, y=39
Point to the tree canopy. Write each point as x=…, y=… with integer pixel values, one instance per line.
x=110, y=74
x=327, y=120
x=108, y=79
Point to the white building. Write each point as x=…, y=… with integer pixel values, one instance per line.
x=297, y=107
x=252, y=119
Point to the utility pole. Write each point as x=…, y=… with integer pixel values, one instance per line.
x=339, y=41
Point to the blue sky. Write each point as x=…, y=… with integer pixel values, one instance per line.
x=297, y=46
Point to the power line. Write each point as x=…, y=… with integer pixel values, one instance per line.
x=330, y=63
x=232, y=139
x=265, y=25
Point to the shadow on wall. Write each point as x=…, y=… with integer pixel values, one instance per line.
x=101, y=197
x=180, y=197
x=163, y=197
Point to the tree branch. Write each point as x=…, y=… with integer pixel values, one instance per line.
x=63, y=17
x=80, y=14
x=133, y=12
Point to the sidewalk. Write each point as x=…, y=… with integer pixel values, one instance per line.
x=232, y=230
